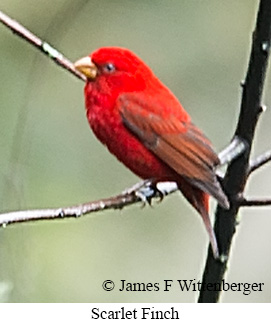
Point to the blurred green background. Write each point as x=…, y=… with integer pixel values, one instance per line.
x=50, y=158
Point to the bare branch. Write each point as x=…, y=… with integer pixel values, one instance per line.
x=253, y=202
x=232, y=151
x=44, y=47
x=75, y=211
x=141, y=192
x=237, y=172
x=259, y=161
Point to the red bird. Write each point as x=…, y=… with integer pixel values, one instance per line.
x=144, y=125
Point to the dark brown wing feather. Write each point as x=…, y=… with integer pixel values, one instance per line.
x=180, y=145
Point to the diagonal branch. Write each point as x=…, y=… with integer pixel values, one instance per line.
x=236, y=148
x=259, y=161
x=116, y=202
x=237, y=172
x=44, y=47
x=142, y=192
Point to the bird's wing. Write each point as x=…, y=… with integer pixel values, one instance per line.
x=181, y=145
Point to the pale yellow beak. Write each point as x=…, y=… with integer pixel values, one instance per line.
x=86, y=67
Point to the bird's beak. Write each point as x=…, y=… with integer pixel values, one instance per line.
x=87, y=67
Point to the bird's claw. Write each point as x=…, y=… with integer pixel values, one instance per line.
x=149, y=190
x=146, y=190
x=160, y=194
x=145, y=199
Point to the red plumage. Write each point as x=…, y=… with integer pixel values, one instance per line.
x=144, y=125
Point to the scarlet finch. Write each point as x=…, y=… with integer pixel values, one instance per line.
x=144, y=125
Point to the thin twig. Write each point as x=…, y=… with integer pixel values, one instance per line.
x=254, y=202
x=44, y=47
x=116, y=202
x=259, y=161
x=142, y=192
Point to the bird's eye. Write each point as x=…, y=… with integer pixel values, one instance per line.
x=109, y=68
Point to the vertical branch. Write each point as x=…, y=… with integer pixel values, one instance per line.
x=237, y=173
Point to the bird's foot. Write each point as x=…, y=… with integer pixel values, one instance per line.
x=144, y=190
x=148, y=189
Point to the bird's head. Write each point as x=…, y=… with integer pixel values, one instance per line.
x=114, y=69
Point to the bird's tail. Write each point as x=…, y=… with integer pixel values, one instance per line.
x=200, y=201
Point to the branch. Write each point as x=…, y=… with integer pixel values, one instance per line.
x=44, y=47
x=141, y=192
x=235, y=149
x=259, y=161
x=75, y=211
x=253, y=202
x=237, y=172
